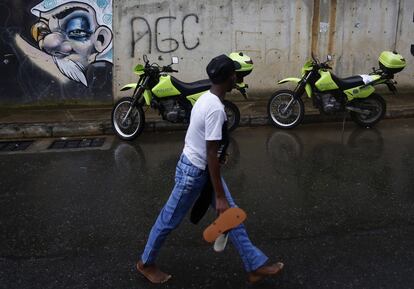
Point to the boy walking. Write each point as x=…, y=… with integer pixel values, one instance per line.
x=198, y=162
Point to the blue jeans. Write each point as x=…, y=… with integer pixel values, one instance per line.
x=189, y=181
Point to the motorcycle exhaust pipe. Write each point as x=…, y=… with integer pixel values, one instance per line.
x=358, y=110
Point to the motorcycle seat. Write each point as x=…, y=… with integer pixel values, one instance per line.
x=349, y=82
x=188, y=88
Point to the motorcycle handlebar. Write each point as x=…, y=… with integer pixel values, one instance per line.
x=320, y=64
x=168, y=69
x=145, y=58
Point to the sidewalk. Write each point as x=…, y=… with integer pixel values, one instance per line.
x=30, y=123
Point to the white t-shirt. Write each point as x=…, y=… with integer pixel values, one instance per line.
x=206, y=122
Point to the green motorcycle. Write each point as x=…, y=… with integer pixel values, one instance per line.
x=173, y=98
x=331, y=94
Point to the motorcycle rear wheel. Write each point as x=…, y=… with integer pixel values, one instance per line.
x=289, y=118
x=134, y=123
x=377, y=106
x=233, y=115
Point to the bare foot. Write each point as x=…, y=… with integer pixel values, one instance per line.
x=152, y=273
x=264, y=271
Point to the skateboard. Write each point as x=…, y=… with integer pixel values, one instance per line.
x=228, y=220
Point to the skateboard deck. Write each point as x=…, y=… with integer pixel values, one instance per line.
x=228, y=220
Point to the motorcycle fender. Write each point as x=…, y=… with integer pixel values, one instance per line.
x=308, y=88
x=147, y=93
x=289, y=79
x=129, y=86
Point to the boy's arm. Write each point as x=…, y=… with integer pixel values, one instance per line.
x=214, y=170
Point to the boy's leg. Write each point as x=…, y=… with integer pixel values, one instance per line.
x=252, y=257
x=189, y=181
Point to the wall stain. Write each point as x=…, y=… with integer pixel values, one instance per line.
x=332, y=27
x=315, y=26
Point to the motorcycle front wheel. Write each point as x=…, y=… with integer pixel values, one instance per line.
x=280, y=114
x=233, y=115
x=376, y=106
x=130, y=127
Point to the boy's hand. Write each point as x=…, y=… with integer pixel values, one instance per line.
x=221, y=205
x=224, y=160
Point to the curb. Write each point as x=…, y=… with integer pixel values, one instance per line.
x=103, y=127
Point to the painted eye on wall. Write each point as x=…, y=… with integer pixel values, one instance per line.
x=39, y=30
x=78, y=34
x=77, y=28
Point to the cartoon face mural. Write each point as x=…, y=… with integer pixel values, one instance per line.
x=75, y=34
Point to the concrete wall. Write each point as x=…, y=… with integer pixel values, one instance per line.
x=55, y=52
x=279, y=35
x=364, y=29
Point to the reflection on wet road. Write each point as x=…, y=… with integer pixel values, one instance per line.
x=337, y=208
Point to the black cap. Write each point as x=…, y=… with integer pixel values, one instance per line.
x=220, y=68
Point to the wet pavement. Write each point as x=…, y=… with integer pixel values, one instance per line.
x=337, y=208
